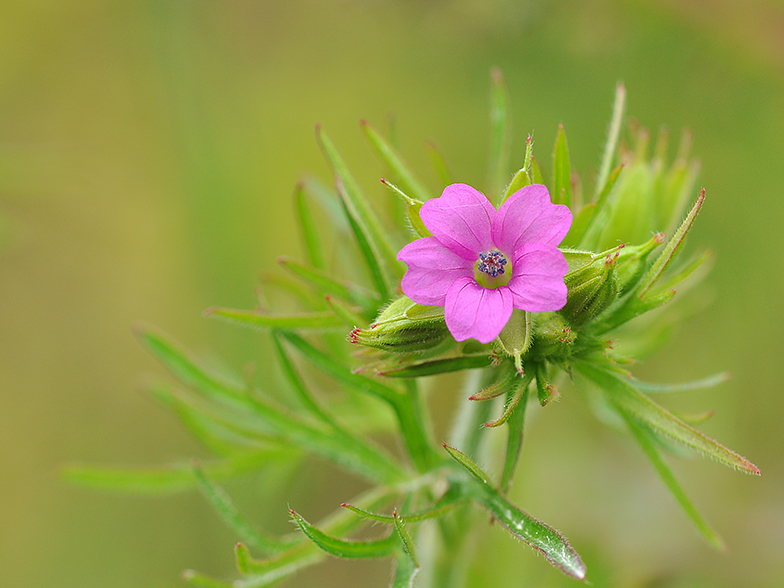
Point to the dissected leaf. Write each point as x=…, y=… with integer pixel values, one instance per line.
x=500, y=136
x=642, y=435
x=625, y=397
x=552, y=544
x=223, y=505
x=262, y=320
x=562, y=172
x=347, y=548
x=392, y=158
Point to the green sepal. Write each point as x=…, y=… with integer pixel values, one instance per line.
x=544, y=389
x=261, y=320
x=555, y=338
x=395, y=162
x=523, y=176
x=536, y=174
x=562, y=173
x=432, y=367
x=347, y=548
x=515, y=338
x=404, y=326
x=626, y=398
x=541, y=537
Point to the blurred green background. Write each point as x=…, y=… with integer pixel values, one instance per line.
x=148, y=152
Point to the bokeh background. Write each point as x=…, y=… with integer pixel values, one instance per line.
x=148, y=153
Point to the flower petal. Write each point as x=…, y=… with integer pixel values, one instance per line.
x=537, y=282
x=528, y=216
x=461, y=219
x=472, y=311
x=432, y=268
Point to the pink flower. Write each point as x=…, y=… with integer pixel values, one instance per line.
x=482, y=263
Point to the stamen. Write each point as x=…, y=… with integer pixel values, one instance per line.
x=491, y=263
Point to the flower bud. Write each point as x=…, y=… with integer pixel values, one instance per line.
x=553, y=337
x=592, y=288
x=403, y=327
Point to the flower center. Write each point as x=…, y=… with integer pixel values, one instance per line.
x=491, y=268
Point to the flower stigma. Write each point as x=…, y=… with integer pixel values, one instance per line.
x=490, y=269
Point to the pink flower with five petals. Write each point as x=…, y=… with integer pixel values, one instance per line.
x=481, y=263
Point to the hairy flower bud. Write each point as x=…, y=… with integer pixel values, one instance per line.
x=592, y=287
x=404, y=326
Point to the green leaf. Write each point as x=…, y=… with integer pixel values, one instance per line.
x=413, y=207
x=552, y=544
x=209, y=432
x=438, y=366
x=188, y=370
x=579, y=226
x=347, y=548
x=495, y=389
x=340, y=372
x=266, y=571
x=405, y=538
x=349, y=315
x=298, y=386
x=196, y=579
x=562, y=172
x=500, y=136
x=395, y=162
x=416, y=517
x=308, y=228
x=626, y=398
x=223, y=505
x=405, y=572
x=643, y=437
x=513, y=398
x=438, y=162
x=407, y=407
x=262, y=320
x=672, y=248
x=166, y=479
x=514, y=440
x=613, y=132
x=327, y=284
x=654, y=388
x=359, y=208
x=382, y=281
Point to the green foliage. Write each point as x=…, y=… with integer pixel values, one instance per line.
x=399, y=341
